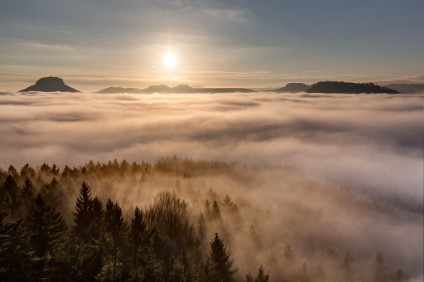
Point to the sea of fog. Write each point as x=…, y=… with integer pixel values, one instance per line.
x=309, y=149
x=371, y=142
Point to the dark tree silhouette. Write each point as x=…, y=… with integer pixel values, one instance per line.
x=170, y=217
x=221, y=264
x=348, y=87
x=289, y=254
x=260, y=277
x=379, y=269
x=83, y=214
x=27, y=196
x=15, y=252
x=140, y=234
x=116, y=228
x=48, y=235
x=161, y=243
x=347, y=267
x=9, y=194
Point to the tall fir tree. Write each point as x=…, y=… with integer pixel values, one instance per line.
x=47, y=237
x=140, y=234
x=87, y=235
x=116, y=228
x=379, y=269
x=221, y=264
x=9, y=195
x=15, y=253
x=83, y=214
x=260, y=277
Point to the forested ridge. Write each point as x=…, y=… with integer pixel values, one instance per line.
x=54, y=228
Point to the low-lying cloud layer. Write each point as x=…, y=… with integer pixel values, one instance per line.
x=370, y=142
x=369, y=145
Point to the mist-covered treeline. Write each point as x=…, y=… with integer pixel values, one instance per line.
x=121, y=221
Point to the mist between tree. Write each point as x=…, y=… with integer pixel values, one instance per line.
x=184, y=220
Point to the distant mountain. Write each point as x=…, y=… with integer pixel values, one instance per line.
x=293, y=88
x=177, y=89
x=157, y=89
x=222, y=90
x=111, y=90
x=50, y=84
x=407, y=87
x=348, y=88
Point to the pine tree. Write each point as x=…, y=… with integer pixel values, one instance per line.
x=289, y=254
x=304, y=275
x=48, y=235
x=140, y=234
x=27, y=171
x=216, y=213
x=28, y=195
x=347, y=267
x=12, y=171
x=201, y=228
x=399, y=276
x=15, y=254
x=379, y=274
x=219, y=256
x=53, y=194
x=116, y=228
x=83, y=214
x=9, y=195
x=87, y=231
x=96, y=219
x=260, y=277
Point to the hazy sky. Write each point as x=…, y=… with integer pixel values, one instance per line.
x=217, y=42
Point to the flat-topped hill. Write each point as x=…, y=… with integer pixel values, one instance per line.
x=50, y=84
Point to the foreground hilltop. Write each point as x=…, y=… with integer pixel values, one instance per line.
x=50, y=84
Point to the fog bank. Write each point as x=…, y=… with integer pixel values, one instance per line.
x=371, y=142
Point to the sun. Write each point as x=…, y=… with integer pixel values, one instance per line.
x=169, y=60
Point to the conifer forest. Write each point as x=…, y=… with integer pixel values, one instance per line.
x=172, y=221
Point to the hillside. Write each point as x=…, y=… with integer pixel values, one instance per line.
x=348, y=88
x=407, y=87
x=293, y=88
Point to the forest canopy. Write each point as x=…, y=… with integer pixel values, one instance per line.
x=54, y=226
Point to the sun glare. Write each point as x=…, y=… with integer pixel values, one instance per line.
x=169, y=60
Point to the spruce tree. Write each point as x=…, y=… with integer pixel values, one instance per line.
x=221, y=268
x=379, y=274
x=260, y=277
x=87, y=232
x=47, y=237
x=15, y=253
x=82, y=215
x=27, y=195
x=140, y=234
x=347, y=267
x=9, y=195
x=116, y=228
